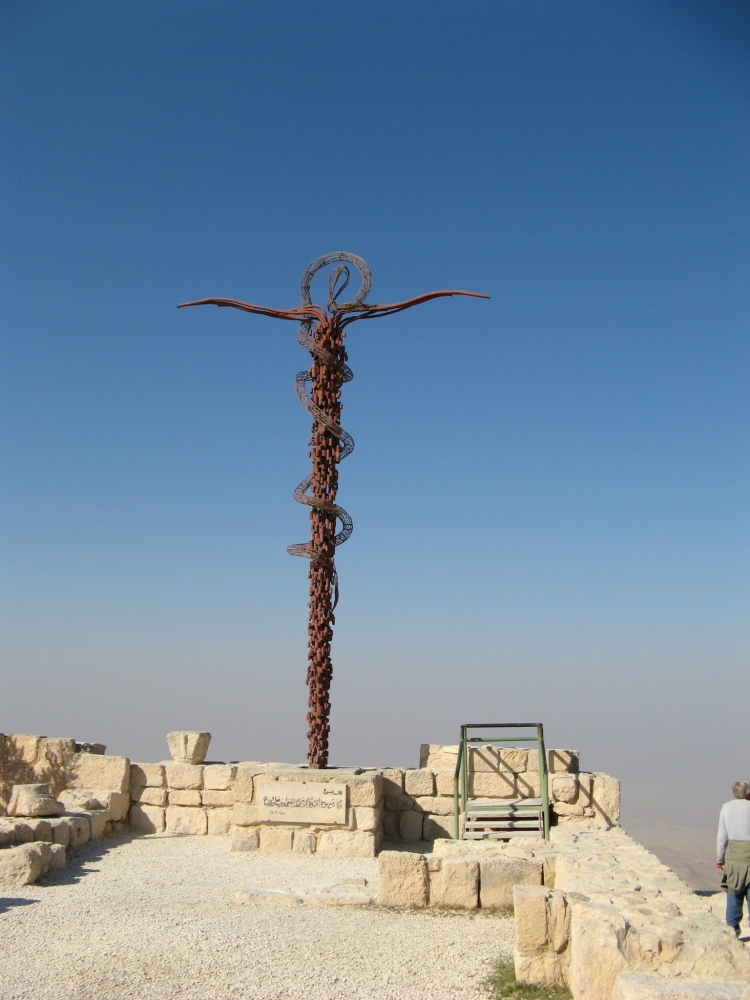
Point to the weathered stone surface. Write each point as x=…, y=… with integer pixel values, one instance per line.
x=243, y=785
x=117, y=805
x=42, y=829
x=98, y=821
x=402, y=879
x=219, y=821
x=499, y=875
x=148, y=818
x=367, y=818
x=530, y=907
x=437, y=827
x=563, y=788
x=33, y=800
x=23, y=833
x=245, y=814
x=438, y=757
x=218, y=776
x=492, y=785
x=57, y=857
x=410, y=825
x=20, y=865
x=187, y=746
x=146, y=776
x=346, y=844
x=529, y=785
x=186, y=821
x=456, y=885
x=184, y=797
x=49, y=766
x=598, y=934
x=419, y=781
x=149, y=796
x=22, y=749
x=245, y=839
x=80, y=830
x=444, y=782
x=88, y=770
x=585, y=787
x=393, y=781
x=644, y=986
x=82, y=799
x=365, y=789
x=562, y=760
x=60, y=831
x=184, y=776
x=564, y=809
x=490, y=758
x=212, y=797
x=605, y=798
x=87, y=747
x=435, y=804
x=305, y=842
x=276, y=840
x=397, y=803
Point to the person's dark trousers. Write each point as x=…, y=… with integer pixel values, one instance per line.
x=734, y=907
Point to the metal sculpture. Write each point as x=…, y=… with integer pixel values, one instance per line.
x=322, y=333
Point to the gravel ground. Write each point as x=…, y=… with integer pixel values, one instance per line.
x=155, y=918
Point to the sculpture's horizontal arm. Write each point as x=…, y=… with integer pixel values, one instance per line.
x=367, y=312
x=300, y=313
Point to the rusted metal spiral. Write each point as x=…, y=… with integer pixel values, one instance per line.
x=322, y=333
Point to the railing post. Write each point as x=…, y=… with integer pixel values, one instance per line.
x=543, y=782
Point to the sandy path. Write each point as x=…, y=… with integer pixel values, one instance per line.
x=155, y=918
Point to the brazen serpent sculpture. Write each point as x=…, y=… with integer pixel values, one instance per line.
x=322, y=333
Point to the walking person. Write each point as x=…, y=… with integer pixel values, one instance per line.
x=733, y=851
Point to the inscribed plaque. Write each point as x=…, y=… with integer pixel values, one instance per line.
x=302, y=802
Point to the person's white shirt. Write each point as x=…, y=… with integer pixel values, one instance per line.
x=734, y=824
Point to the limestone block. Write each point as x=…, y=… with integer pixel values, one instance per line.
x=410, y=825
x=98, y=819
x=219, y=821
x=146, y=776
x=184, y=797
x=563, y=788
x=244, y=839
x=186, y=821
x=42, y=829
x=20, y=749
x=213, y=797
x=346, y=844
x=419, y=781
x=88, y=770
x=20, y=865
x=565, y=809
x=437, y=827
x=60, y=831
x=33, y=800
x=23, y=832
x=402, y=879
x=437, y=805
x=243, y=785
x=530, y=908
x=305, y=841
x=184, y=776
x=605, y=798
x=148, y=818
x=562, y=760
x=82, y=799
x=585, y=787
x=367, y=818
x=117, y=805
x=529, y=785
x=598, y=933
x=57, y=857
x=549, y=869
x=456, y=885
x=7, y=833
x=438, y=757
x=80, y=829
x=276, y=840
x=444, y=782
x=499, y=875
x=219, y=776
x=50, y=762
x=397, y=803
x=245, y=814
x=365, y=789
x=489, y=785
x=390, y=825
x=149, y=796
x=493, y=758
x=645, y=986
x=188, y=747
x=393, y=781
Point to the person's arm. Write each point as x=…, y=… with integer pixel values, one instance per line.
x=722, y=840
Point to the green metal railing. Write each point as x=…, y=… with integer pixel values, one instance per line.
x=461, y=777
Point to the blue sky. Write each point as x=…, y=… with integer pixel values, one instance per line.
x=549, y=490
